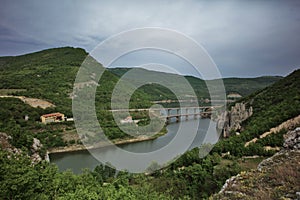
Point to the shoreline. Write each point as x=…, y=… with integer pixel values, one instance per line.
x=81, y=147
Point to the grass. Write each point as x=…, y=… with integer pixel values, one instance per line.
x=250, y=163
x=246, y=164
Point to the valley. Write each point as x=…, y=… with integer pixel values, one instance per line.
x=46, y=78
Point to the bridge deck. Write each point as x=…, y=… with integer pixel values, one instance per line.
x=187, y=114
x=156, y=109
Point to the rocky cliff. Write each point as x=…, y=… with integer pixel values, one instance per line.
x=34, y=150
x=5, y=145
x=230, y=121
x=277, y=177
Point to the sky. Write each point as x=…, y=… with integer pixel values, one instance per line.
x=244, y=38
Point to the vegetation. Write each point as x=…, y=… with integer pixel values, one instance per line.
x=22, y=180
x=280, y=180
x=242, y=86
x=198, y=178
x=271, y=106
x=50, y=75
x=22, y=132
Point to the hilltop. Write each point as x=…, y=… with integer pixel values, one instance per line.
x=47, y=74
x=271, y=107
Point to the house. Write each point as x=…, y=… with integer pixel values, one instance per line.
x=234, y=96
x=52, y=117
x=126, y=120
x=129, y=120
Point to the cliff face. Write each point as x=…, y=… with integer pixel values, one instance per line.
x=277, y=177
x=35, y=151
x=230, y=121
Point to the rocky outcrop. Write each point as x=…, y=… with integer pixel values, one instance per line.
x=5, y=145
x=292, y=140
x=230, y=121
x=35, y=148
x=291, y=143
x=275, y=178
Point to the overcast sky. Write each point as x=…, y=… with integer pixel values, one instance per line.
x=244, y=38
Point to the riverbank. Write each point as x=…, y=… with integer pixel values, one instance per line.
x=81, y=147
x=78, y=160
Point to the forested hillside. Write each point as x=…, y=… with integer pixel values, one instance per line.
x=50, y=75
x=271, y=106
x=242, y=86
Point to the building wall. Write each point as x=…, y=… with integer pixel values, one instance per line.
x=46, y=120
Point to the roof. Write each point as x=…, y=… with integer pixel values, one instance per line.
x=235, y=95
x=52, y=115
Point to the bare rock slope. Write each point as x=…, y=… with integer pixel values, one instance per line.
x=277, y=177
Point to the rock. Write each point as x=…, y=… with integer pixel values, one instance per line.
x=291, y=143
x=35, y=158
x=276, y=176
x=292, y=140
x=298, y=195
x=47, y=158
x=5, y=145
x=36, y=146
x=35, y=149
x=230, y=121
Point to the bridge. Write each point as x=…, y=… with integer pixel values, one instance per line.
x=176, y=112
x=187, y=112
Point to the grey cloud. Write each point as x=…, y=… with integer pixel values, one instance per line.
x=245, y=38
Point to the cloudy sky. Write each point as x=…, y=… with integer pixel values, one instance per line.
x=244, y=38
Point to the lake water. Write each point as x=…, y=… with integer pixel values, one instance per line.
x=206, y=131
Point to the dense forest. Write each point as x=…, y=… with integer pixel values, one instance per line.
x=50, y=74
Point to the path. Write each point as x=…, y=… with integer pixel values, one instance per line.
x=285, y=125
x=34, y=102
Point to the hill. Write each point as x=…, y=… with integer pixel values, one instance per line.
x=50, y=75
x=242, y=86
x=272, y=106
x=47, y=74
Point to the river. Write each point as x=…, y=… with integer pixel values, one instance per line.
x=78, y=160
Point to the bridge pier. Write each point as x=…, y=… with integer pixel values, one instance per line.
x=167, y=120
x=186, y=112
x=168, y=111
x=178, y=118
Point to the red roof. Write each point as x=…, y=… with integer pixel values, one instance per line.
x=52, y=115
